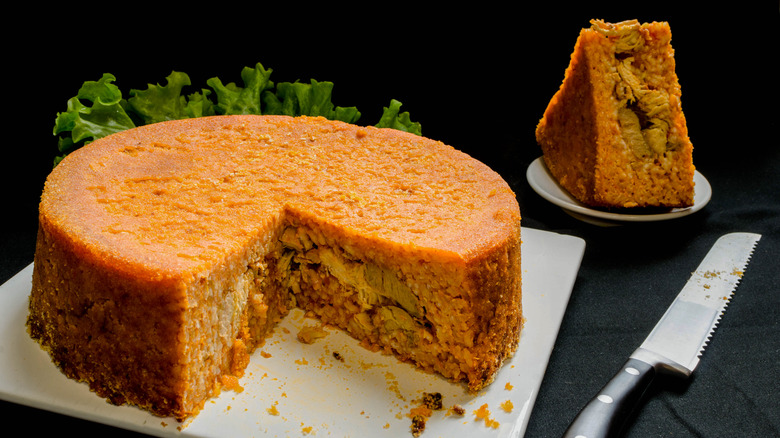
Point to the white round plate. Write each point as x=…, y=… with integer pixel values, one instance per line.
x=546, y=186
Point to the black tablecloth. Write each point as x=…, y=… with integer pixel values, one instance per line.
x=479, y=79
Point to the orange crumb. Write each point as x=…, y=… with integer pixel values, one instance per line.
x=230, y=382
x=507, y=406
x=484, y=414
x=272, y=410
x=421, y=410
x=508, y=386
x=265, y=354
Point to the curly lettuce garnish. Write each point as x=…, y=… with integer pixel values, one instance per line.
x=233, y=99
x=99, y=109
x=162, y=103
x=84, y=123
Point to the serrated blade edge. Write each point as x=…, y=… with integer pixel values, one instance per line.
x=680, y=337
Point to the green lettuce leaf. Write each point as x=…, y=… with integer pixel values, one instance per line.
x=312, y=99
x=99, y=108
x=199, y=105
x=161, y=103
x=233, y=99
x=392, y=117
x=96, y=111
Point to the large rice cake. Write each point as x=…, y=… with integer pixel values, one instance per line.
x=167, y=253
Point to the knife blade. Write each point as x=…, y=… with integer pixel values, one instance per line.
x=676, y=343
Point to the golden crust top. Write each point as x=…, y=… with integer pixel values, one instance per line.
x=172, y=199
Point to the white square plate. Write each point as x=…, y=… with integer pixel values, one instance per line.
x=301, y=389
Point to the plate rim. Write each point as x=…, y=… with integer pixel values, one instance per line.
x=538, y=170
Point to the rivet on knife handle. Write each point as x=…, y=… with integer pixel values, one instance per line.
x=677, y=341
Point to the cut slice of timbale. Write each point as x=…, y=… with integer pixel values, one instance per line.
x=614, y=134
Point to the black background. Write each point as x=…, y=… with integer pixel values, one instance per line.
x=477, y=77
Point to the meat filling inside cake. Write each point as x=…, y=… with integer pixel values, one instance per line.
x=399, y=309
x=644, y=113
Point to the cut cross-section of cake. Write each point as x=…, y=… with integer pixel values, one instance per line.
x=614, y=134
x=167, y=253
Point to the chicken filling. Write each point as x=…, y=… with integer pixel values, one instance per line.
x=644, y=113
x=378, y=292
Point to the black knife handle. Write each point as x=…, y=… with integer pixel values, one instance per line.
x=605, y=415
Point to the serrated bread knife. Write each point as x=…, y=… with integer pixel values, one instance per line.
x=677, y=341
